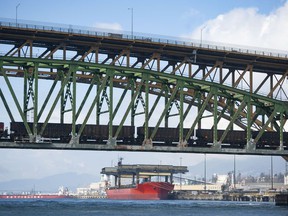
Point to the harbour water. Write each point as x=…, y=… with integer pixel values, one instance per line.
x=76, y=207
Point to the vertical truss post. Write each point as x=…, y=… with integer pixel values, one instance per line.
x=98, y=104
x=62, y=99
x=146, y=124
x=199, y=99
x=281, y=147
x=249, y=122
x=251, y=78
x=166, y=101
x=110, y=73
x=215, y=115
x=271, y=86
x=25, y=92
x=74, y=103
x=181, y=116
x=35, y=101
x=132, y=84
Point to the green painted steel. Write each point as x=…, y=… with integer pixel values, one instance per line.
x=6, y=106
x=173, y=88
x=170, y=82
x=23, y=117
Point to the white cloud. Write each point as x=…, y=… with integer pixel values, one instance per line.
x=110, y=26
x=248, y=27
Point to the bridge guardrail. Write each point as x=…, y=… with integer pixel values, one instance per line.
x=140, y=36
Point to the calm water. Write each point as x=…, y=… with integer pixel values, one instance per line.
x=137, y=208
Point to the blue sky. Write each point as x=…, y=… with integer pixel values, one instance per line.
x=247, y=22
x=157, y=17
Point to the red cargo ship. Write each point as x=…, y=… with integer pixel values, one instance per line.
x=144, y=191
x=147, y=189
x=62, y=194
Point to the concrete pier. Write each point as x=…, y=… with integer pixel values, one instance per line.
x=281, y=199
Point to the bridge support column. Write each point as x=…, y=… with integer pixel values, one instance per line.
x=147, y=143
x=182, y=143
x=281, y=147
x=251, y=146
x=216, y=144
x=74, y=141
x=112, y=141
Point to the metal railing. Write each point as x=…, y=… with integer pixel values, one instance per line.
x=24, y=24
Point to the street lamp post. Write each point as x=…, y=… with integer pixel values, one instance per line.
x=205, y=184
x=17, y=13
x=234, y=176
x=131, y=21
x=180, y=174
x=201, y=35
x=272, y=180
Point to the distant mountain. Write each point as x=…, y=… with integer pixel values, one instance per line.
x=50, y=183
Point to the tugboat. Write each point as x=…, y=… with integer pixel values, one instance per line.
x=143, y=187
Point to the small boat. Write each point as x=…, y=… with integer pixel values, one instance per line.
x=143, y=187
x=63, y=193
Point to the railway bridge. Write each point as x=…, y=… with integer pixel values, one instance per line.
x=79, y=88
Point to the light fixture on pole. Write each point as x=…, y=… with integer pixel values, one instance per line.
x=201, y=35
x=180, y=174
x=17, y=13
x=272, y=180
x=205, y=174
x=234, y=172
x=131, y=21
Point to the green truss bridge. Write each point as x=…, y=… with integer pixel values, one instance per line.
x=70, y=88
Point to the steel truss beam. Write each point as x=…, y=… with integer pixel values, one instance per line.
x=231, y=68
x=226, y=84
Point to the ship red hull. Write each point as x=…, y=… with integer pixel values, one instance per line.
x=144, y=191
x=35, y=196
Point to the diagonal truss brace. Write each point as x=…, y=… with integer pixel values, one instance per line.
x=165, y=110
x=271, y=117
x=93, y=81
x=139, y=87
x=92, y=105
x=66, y=80
x=277, y=84
x=16, y=100
x=234, y=117
x=6, y=106
x=199, y=115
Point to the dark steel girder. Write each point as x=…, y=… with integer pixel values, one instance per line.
x=143, y=53
x=199, y=70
